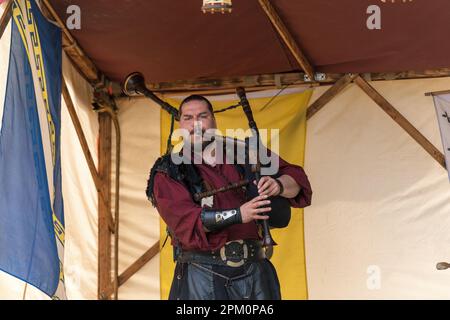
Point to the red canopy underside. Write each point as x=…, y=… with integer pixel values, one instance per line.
x=171, y=40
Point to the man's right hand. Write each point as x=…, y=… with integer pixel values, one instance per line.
x=251, y=210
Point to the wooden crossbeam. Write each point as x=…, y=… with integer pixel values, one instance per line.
x=231, y=83
x=270, y=81
x=136, y=266
x=6, y=16
x=329, y=94
x=287, y=37
x=401, y=120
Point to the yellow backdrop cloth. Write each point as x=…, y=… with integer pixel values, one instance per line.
x=288, y=114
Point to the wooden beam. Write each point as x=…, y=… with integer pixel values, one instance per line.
x=85, y=148
x=108, y=109
x=329, y=94
x=137, y=265
x=401, y=120
x=417, y=74
x=264, y=80
x=104, y=210
x=81, y=61
x=6, y=16
x=270, y=81
x=287, y=37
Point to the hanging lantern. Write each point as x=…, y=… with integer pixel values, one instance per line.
x=213, y=6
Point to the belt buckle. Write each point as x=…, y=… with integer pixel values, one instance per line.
x=233, y=248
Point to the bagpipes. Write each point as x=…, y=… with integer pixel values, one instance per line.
x=281, y=211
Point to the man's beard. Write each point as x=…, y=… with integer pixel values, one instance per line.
x=200, y=144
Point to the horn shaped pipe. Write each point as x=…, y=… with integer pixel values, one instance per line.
x=135, y=84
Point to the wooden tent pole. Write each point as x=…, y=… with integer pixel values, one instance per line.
x=108, y=110
x=401, y=120
x=6, y=16
x=329, y=94
x=287, y=37
x=104, y=209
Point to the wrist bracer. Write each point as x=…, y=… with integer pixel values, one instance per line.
x=215, y=220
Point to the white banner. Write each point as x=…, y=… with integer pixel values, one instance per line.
x=442, y=104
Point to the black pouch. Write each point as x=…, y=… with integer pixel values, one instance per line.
x=280, y=215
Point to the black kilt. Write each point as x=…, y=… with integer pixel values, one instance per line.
x=255, y=280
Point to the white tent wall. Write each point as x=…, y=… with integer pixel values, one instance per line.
x=79, y=192
x=139, y=222
x=379, y=218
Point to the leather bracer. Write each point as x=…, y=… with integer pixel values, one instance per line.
x=215, y=220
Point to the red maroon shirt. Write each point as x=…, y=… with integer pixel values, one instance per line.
x=182, y=214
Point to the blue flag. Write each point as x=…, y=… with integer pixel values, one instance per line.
x=31, y=204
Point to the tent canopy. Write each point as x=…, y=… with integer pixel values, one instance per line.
x=174, y=40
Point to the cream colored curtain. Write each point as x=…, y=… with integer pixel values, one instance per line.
x=380, y=219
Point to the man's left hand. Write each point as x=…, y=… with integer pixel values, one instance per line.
x=268, y=186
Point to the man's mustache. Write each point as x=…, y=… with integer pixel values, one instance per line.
x=191, y=132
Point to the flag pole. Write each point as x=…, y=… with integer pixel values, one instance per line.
x=25, y=291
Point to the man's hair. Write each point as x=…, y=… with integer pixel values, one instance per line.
x=196, y=97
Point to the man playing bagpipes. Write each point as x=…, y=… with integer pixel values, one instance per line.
x=213, y=218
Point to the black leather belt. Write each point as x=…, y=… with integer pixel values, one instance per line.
x=233, y=254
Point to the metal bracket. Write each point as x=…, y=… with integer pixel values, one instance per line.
x=278, y=83
x=318, y=76
x=367, y=76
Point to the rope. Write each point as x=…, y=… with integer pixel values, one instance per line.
x=276, y=95
x=269, y=102
x=228, y=108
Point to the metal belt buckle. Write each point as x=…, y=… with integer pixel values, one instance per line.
x=234, y=253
